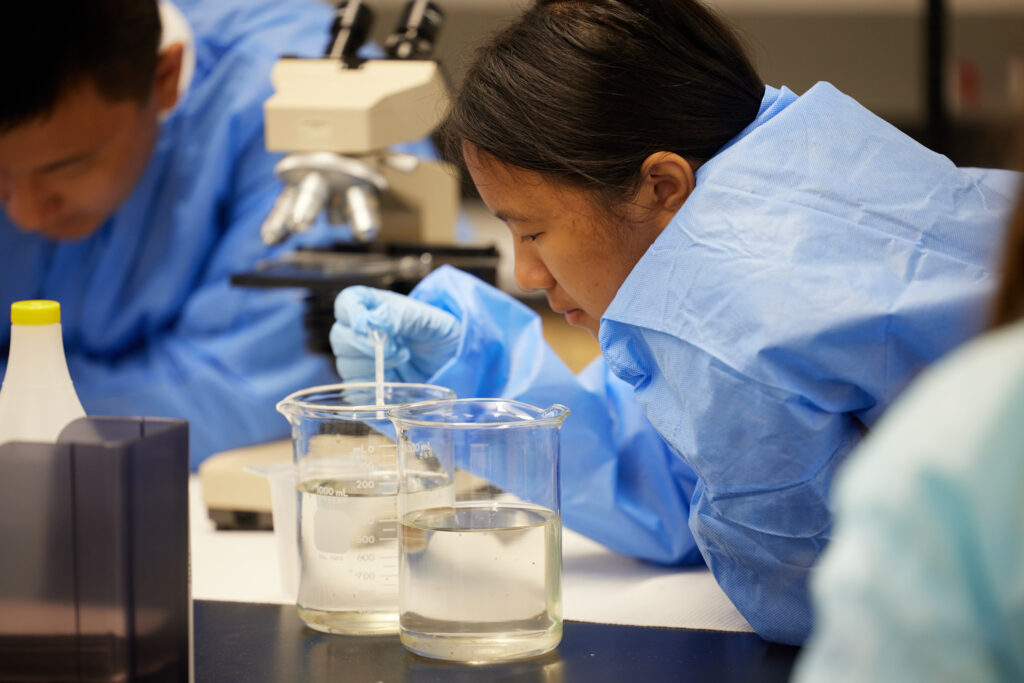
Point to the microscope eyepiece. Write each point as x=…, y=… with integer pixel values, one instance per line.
x=351, y=27
x=417, y=31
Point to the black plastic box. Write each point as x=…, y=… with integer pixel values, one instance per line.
x=94, y=554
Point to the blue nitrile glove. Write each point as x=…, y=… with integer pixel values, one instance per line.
x=420, y=338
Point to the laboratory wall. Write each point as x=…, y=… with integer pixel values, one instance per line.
x=874, y=50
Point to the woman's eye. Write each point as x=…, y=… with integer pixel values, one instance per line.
x=529, y=238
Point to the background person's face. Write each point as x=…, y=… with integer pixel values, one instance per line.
x=63, y=175
x=564, y=243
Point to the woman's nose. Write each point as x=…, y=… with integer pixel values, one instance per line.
x=529, y=270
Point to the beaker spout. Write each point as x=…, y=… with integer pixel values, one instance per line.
x=286, y=408
x=556, y=410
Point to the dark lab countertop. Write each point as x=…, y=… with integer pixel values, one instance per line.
x=251, y=642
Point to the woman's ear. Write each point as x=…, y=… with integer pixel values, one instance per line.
x=668, y=180
x=168, y=73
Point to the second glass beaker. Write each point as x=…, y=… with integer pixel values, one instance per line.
x=481, y=571
x=347, y=480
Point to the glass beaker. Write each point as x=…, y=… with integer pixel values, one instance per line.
x=480, y=558
x=346, y=474
x=281, y=479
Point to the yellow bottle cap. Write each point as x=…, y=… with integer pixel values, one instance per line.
x=35, y=312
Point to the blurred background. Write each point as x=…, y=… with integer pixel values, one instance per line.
x=893, y=56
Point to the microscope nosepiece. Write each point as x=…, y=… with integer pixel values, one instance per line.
x=275, y=226
x=363, y=209
x=311, y=195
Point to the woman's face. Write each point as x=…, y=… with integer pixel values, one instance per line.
x=565, y=243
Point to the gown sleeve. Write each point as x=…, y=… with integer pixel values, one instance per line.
x=621, y=483
x=764, y=456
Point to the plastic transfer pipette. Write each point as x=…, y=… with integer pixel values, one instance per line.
x=379, y=340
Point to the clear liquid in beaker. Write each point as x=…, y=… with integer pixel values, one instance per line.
x=481, y=581
x=349, y=551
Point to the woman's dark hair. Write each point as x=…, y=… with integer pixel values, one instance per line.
x=1009, y=302
x=584, y=90
x=49, y=47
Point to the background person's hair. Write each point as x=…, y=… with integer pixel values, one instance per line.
x=1009, y=301
x=49, y=48
x=583, y=91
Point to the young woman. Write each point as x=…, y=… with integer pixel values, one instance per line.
x=764, y=272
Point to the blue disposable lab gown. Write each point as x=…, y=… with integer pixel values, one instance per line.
x=151, y=323
x=924, y=578
x=822, y=260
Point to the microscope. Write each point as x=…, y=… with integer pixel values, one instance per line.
x=337, y=118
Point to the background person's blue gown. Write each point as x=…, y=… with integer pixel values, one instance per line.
x=822, y=260
x=151, y=324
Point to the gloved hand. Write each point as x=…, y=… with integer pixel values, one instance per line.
x=420, y=337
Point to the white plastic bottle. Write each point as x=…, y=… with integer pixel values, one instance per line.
x=37, y=398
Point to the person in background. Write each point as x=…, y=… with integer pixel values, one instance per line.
x=764, y=273
x=134, y=181
x=924, y=578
